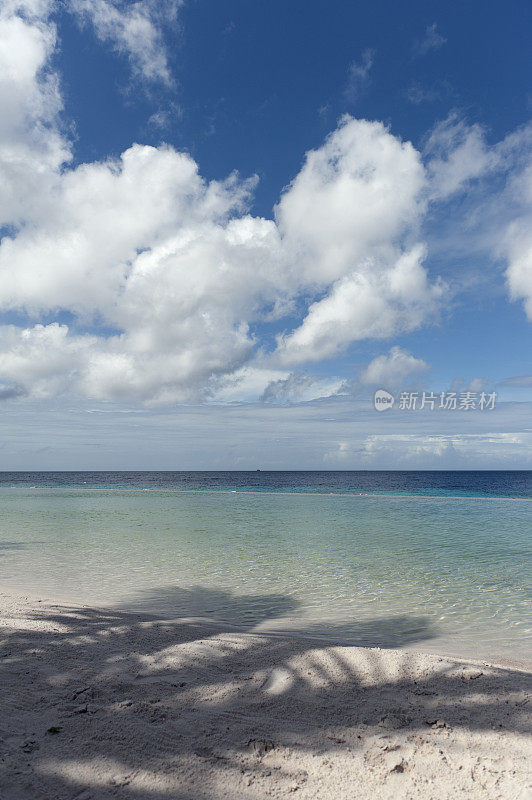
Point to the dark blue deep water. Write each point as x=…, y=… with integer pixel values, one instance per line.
x=423, y=483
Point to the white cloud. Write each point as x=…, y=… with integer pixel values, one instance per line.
x=495, y=182
x=174, y=270
x=247, y=384
x=339, y=454
x=133, y=29
x=31, y=146
x=79, y=251
x=517, y=242
x=29, y=9
x=519, y=271
x=376, y=300
x=139, y=279
x=391, y=369
x=457, y=154
x=142, y=245
x=449, y=450
x=353, y=198
x=350, y=218
x=43, y=359
x=300, y=387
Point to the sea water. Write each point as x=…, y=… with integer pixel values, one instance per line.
x=432, y=561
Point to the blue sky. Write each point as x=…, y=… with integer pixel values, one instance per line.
x=231, y=222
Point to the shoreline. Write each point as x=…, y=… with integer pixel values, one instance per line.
x=521, y=663
x=137, y=490
x=146, y=706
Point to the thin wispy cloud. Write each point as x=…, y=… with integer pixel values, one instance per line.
x=418, y=94
x=164, y=118
x=432, y=40
x=339, y=432
x=134, y=30
x=519, y=381
x=359, y=76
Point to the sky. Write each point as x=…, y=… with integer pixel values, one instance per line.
x=226, y=225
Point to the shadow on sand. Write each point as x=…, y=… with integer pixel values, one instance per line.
x=134, y=696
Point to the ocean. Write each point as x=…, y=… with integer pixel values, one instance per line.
x=436, y=561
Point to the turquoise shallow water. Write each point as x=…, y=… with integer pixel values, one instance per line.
x=440, y=574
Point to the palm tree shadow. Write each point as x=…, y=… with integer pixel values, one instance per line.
x=253, y=612
x=218, y=605
x=134, y=694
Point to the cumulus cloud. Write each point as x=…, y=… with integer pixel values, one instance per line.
x=42, y=359
x=376, y=301
x=161, y=275
x=391, y=369
x=178, y=272
x=31, y=145
x=137, y=278
x=354, y=196
x=351, y=217
x=78, y=252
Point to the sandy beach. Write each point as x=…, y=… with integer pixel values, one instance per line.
x=98, y=703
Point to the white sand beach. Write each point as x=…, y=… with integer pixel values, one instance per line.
x=98, y=703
